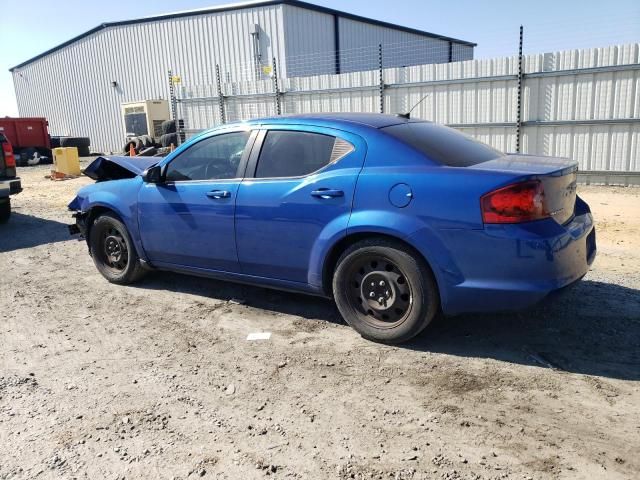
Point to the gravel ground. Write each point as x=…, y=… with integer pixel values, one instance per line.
x=158, y=380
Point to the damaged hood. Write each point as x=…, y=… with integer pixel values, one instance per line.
x=117, y=167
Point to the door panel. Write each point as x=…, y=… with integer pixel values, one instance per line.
x=190, y=222
x=182, y=224
x=278, y=220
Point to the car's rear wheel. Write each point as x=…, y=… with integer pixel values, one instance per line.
x=113, y=251
x=5, y=211
x=385, y=291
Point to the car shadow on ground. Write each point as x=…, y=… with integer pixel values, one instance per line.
x=592, y=328
x=305, y=306
x=26, y=231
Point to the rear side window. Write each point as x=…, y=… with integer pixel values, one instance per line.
x=288, y=153
x=443, y=145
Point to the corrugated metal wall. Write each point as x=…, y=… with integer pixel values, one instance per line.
x=311, y=46
x=310, y=42
x=398, y=48
x=72, y=86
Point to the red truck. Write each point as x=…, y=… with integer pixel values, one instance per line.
x=32, y=143
x=29, y=137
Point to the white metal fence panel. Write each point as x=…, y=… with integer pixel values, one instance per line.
x=583, y=104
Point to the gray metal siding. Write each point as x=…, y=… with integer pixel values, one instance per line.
x=310, y=45
x=72, y=86
x=398, y=48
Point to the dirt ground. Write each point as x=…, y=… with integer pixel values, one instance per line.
x=158, y=380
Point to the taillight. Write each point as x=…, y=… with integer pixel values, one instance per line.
x=9, y=158
x=520, y=202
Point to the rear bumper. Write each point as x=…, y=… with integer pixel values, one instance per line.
x=10, y=186
x=512, y=267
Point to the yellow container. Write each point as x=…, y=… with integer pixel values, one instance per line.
x=65, y=160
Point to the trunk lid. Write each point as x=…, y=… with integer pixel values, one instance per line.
x=557, y=175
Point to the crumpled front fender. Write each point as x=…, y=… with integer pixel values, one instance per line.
x=118, y=196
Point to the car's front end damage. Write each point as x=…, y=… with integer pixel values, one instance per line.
x=80, y=227
x=117, y=179
x=81, y=209
x=107, y=168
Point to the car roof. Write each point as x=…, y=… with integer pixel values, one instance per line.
x=372, y=120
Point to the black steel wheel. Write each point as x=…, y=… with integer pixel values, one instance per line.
x=385, y=291
x=379, y=290
x=112, y=250
x=114, y=253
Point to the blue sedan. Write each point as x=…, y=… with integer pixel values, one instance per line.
x=395, y=219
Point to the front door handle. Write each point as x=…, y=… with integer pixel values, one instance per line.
x=218, y=194
x=327, y=193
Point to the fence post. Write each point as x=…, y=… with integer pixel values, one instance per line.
x=276, y=88
x=519, y=105
x=381, y=78
x=223, y=117
x=172, y=96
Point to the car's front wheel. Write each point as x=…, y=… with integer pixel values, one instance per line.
x=113, y=251
x=385, y=291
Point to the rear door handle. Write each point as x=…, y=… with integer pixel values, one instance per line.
x=327, y=193
x=218, y=194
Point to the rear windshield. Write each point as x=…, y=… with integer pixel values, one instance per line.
x=443, y=145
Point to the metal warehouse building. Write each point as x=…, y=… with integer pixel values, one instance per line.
x=80, y=85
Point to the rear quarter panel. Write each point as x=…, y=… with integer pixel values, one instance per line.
x=444, y=200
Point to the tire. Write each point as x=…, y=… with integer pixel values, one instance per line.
x=5, y=211
x=127, y=146
x=46, y=156
x=146, y=140
x=168, y=126
x=137, y=145
x=75, y=142
x=84, y=151
x=385, y=291
x=29, y=157
x=169, y=138
x=123, y=265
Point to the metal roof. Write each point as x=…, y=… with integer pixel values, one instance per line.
x=240, y=6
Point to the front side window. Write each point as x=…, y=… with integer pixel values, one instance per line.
x=214, y=158
x=287, y=153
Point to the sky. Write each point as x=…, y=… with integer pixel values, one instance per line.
x=29, y=27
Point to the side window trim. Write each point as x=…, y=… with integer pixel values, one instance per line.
x=242, y=166
x=252, y=166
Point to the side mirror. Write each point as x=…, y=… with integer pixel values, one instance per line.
x=153, y=174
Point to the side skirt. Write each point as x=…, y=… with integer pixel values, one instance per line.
x=256, y=281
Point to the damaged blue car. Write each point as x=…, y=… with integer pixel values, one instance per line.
x=395, y=219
